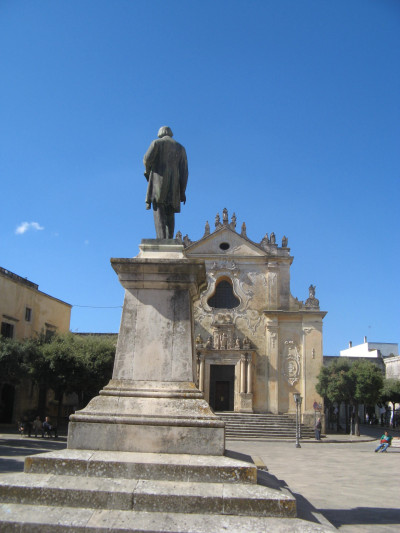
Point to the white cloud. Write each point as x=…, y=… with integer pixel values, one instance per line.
x=25, y=226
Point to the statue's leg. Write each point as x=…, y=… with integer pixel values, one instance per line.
x=170, y=222
x=160, y=220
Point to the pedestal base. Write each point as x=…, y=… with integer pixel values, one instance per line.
x=143, y=416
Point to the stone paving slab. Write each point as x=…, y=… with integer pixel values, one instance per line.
x=204, y=468
x=43, y=519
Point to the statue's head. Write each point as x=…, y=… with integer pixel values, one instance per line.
x=165, y=131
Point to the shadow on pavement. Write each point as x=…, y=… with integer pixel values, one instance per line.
x=305, y=510
x=13, y=451
x=362, y=516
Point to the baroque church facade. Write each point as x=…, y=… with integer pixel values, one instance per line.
x=255, y=344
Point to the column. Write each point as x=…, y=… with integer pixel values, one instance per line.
x=201, y=372
x=249, y=374
x=243, y=374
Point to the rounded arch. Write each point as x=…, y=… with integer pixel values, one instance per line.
x=223, y=297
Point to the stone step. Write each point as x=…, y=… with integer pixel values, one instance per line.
x=71, y=491
x=244, y=499
x=241, y=426
x=131, y=465
x=45, y=519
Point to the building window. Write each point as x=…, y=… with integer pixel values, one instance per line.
x=224, y=297
x=49, y=334
x=28, y=314
x=7, y=330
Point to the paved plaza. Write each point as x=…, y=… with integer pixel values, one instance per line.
x=340, y=480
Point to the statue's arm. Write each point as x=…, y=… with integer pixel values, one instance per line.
x=183, y=175
x=149, y=158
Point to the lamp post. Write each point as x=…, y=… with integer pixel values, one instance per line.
x=297, y=399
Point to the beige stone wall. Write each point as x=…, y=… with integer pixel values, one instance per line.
x=47, y=313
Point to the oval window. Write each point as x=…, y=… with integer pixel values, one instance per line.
x=224, y=246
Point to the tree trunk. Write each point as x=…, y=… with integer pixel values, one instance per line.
x=338, y=418
x=60, y=396
x=356, y=421
x=346, y=408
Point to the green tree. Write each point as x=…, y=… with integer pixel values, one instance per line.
x=331, y=384
x=365, y=385
x=97, y=353
x=72, y=363
x=353, y=384
x=391, y=393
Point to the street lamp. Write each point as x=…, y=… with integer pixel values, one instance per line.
x=297, y=399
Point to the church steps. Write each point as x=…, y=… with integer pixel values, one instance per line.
x=241, y=426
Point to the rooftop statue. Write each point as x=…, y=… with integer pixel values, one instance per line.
x=167, y=173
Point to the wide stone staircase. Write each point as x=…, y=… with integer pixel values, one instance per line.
x=99, y=492
x=243, y=426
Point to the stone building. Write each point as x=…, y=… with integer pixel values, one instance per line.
x=255, y=343
x=26, y=312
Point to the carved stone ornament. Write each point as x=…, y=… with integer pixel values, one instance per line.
x=243, y=230
x=312, y=302
x=291, y=363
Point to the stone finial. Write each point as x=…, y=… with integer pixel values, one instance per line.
x=217, y=221
x=265, y=239
x=207, y=229
x=284, y=242
x=233, y=221
x=225, y=216
x=243, y=231
x=272, y=238
x=186, y=240
x=178, y=237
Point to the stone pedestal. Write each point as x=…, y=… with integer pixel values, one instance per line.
x=152, y=404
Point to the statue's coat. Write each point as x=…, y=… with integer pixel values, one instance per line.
x=167, y=172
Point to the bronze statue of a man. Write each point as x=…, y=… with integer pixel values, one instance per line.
x=167, y=174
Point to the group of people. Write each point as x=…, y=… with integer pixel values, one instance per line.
x=26, y=427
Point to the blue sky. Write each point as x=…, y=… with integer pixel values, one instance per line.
x=290, y=115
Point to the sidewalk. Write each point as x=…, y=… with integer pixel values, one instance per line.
x=367, y=434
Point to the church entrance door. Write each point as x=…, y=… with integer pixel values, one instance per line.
x=222, y=387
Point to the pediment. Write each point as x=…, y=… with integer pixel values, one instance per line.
x=238, y=245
